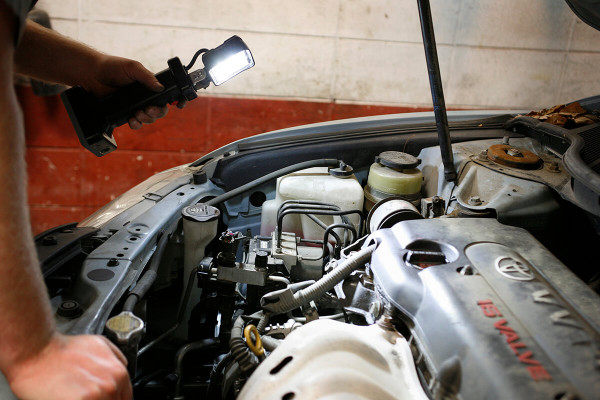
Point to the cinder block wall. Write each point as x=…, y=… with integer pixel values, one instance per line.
x=315, y=60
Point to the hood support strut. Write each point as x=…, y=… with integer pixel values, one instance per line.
x=437, y=92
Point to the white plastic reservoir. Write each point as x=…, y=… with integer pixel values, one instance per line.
x=314, y=184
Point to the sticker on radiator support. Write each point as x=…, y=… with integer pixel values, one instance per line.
x=513, y=269
x=523, y=354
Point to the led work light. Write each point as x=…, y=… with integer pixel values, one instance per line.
x=94, y=119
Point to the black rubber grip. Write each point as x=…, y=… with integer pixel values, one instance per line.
x=94, y=119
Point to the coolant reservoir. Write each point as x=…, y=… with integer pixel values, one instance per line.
x=394, y=174
x=338, y=187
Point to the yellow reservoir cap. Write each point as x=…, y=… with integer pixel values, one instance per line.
x=387, y=180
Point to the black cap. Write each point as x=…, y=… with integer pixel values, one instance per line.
x=199, y=177
x=343, y=171
x=69, y=309
x=397, y=160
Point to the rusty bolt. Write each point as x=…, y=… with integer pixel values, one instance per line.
x=475, y=201
x=514, y=152
x=553, y=166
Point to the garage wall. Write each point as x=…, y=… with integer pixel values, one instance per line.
x=316, y=60
x=506, y=54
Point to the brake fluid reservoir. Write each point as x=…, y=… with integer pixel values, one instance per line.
x=394, y=174
x=338, y=186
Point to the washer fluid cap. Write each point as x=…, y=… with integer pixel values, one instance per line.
x=200, y=213
x=397, y=160
x=343, y=171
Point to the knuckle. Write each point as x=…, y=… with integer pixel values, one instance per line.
x=110, y=388
x=92, y=392
x=134, y=65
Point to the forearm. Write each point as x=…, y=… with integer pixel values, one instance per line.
x=26, y=322
x=49, y=56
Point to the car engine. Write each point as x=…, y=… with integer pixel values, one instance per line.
x=335, y=261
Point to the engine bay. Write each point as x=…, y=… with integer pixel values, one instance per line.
x=336, y=261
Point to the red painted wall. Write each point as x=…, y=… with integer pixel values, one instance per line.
x=67, y=183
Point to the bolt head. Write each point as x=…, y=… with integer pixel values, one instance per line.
x=113, y=262
x=553, y=166
x=514, y=152
x=49, y=240
x=475, y=201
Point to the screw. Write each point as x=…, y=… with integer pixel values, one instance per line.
x=553, y=166
x=69, y=305
x=375, y=309
x=475, y=201
x=505, y=139
x=483, y=155
x=49, y=240
x=113, y=262
x=69, y=309
x=466, y=270
x=514, y=152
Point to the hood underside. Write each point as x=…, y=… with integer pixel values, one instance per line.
x=587, y=10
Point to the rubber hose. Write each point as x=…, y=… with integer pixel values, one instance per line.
x=238, y=347
x=182, y=352
x=147, y=280
x=325, y=162
x=326, y=283
x=216, y=377
x=262, y=324
x=270, y=343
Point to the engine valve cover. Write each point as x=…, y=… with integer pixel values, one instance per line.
x=520, y=323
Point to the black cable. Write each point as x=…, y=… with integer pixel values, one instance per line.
x=191, y=64
x=330, y=229
x=180, y=312
x=310, y=204
x=216, y=376
x=317, y=212
x=182, y=352
x=326, y=162
x=317, y=221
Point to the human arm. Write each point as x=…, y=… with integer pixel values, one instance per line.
x=49, y=56
x=38, y=362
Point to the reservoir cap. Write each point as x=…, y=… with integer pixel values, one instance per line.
x=397, y=160
x=200, y=213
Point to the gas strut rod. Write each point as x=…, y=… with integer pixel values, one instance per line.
x=437, y=92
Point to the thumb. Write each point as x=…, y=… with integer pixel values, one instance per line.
x=137, y=72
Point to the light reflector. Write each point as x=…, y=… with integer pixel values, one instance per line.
x=231, y=66
x=227, y=60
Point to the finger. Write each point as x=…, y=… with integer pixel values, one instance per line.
x=137, y=72
x=126, y=391
x=156, y=112
x=115, y=350
x=141, y=116
x=134, y=124
x=181, y=103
